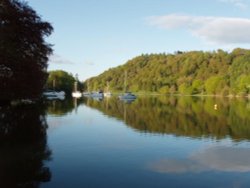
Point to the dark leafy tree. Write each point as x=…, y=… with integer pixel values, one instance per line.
x=23, y=51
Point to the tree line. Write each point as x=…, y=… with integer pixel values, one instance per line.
x=24, y=57
x=60, y=80
x=188, y=73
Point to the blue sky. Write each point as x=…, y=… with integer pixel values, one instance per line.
x=91, y=36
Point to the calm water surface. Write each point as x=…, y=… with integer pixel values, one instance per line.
x=149, y=142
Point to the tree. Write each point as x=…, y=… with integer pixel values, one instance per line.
x=214, y=85
x=185, y=89
x=197, y=86
x=243, y=85
x=60, y=80
x=23, y=51
x=164, y=90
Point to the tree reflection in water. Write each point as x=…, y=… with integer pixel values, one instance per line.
x=183, y=116
x=61, y=108
x=23, y=146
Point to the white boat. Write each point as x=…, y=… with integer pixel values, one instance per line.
x=107, y=94
x=76, y=93
x=51, y=94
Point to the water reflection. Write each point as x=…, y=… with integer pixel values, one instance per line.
x=93, y=148
x=225, y=159
x=62, y=107
x=23, y=146
x=184, y=116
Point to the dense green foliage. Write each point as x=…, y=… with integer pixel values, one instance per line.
x=60, y=80
x=194, y=72
x=23, y=51
x=182, y=116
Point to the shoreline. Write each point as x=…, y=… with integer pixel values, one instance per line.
x=195, y=95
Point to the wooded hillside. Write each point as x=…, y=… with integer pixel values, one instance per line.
x=194, y=72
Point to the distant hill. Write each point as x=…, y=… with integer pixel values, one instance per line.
x=194, y=72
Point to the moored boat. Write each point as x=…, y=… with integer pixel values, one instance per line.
x=51, y=94
x=98, y=94
x=76, y=94
x=127, y=96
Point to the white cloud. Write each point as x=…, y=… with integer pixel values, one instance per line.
x=225, y=159
x=238, y=3
x=225, y=30
x=221, y=30
x=57, y=59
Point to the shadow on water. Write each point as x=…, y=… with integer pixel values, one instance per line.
x=195, y=117
x=23, y=146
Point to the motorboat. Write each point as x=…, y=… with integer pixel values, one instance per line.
x=127, y=96
x=86, y=94
x=52, y=94
x=98, y=94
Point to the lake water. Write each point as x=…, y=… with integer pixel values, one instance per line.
x=149, y=142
